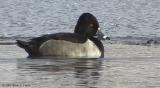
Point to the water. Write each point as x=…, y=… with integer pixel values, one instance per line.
x=80, y=73
x=118, y=18
x=124, y=66
x=130, y=61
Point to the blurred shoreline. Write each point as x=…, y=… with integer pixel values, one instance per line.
x=129, y=40
x=8, y=49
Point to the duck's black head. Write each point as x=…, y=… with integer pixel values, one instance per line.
x=87, y=25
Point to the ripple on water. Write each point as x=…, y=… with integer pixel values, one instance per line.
x=120, y=18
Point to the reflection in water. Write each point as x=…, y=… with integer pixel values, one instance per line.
x=81, y=73
x=87, y=72
x=84, y=72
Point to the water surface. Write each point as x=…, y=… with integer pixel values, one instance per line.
x=131, y=60
x=129, y=66
x=118, y=18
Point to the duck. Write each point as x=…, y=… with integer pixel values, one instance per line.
x=82, y=43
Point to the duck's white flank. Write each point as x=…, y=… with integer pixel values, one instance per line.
x=70, y=49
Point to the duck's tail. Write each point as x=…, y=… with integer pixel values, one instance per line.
x=25, y=45
x=30, y=47
x=22, y=44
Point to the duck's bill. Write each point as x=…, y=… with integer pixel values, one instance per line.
x=101, y=36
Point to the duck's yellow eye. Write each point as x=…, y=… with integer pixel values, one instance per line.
x=91, y=25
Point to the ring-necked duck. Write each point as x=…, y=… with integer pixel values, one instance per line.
x=80, y=44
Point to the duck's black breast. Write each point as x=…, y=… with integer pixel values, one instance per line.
x=99, y=44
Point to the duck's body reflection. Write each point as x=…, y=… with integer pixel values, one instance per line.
x=85, y=72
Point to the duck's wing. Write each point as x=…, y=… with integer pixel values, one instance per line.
x=32, y=46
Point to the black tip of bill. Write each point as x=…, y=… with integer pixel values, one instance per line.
x=101, y=36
